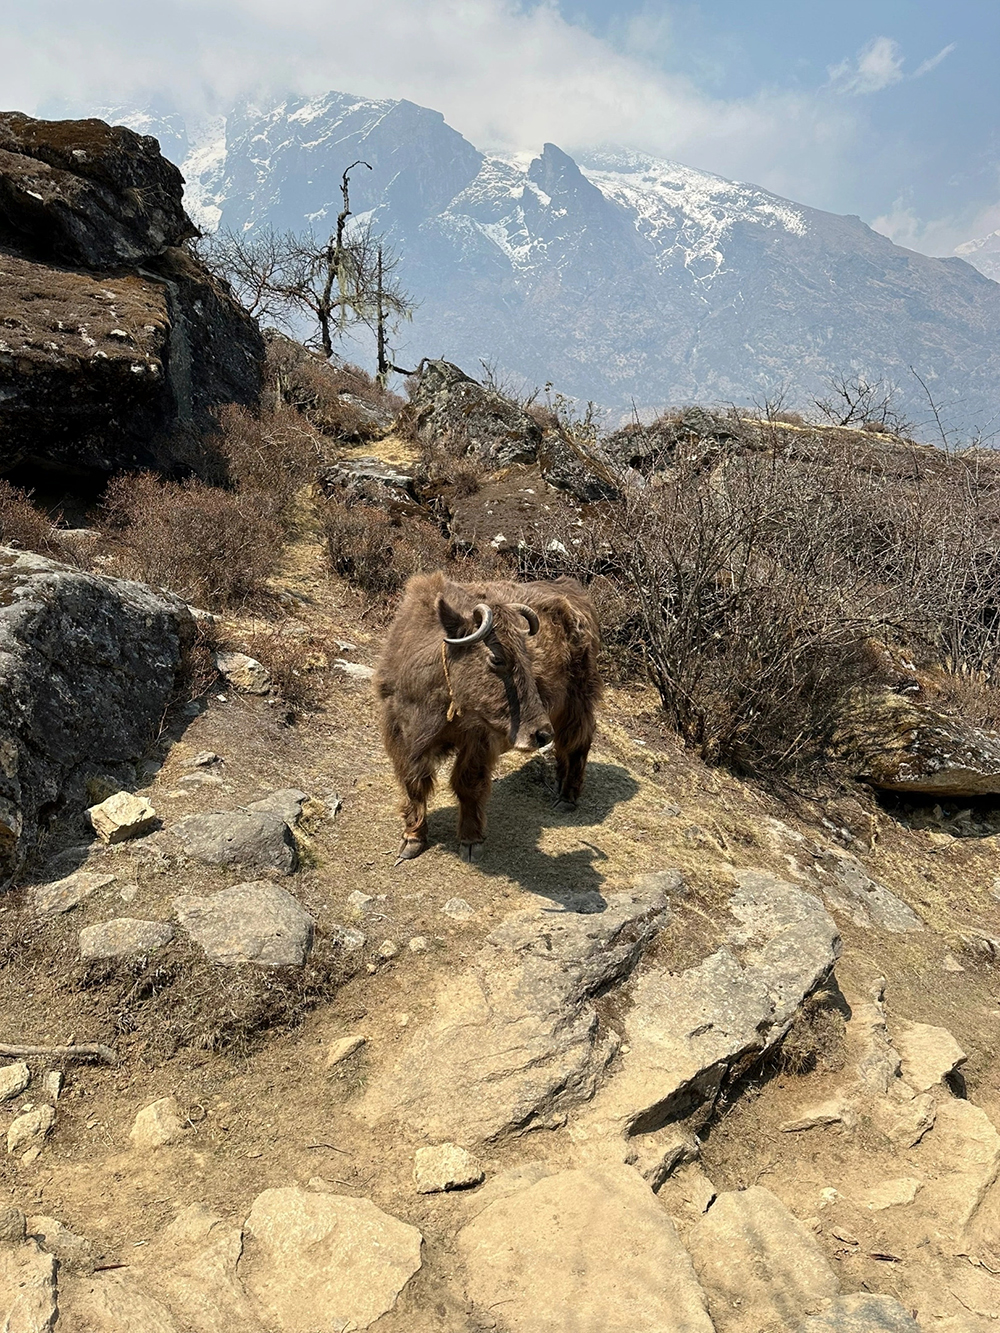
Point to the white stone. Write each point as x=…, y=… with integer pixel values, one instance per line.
x=316, y=1261
x=928, y=1054
x=359, y=902
x=29, y=1129
x=243, y=672
x=14, y=1079
x=122, y=816
x=342, y=1048
x=355, y=670
x=458, y=909
x=158, y=1124
x=445, y=1167
x=418, y=944
x=387, y=949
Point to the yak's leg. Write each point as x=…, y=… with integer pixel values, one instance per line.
x=574, y=734
x=418, y=782
x=471, y=780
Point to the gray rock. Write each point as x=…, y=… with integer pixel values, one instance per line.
x=686, y=1030
x=14, y=1079
x=514, y=1040
x=123, y=936
x=324, y=1261
x=863, y=1313
x=88, y=666
x=27, y=1289
x=582, y=1250
x=867, y=902
x=257, y=840
x=387, y=949
x=759, y=1266
x=73, y=1252
x=63, y=894
x=256, y=922
x=286, y=803
x=458, y=909
x=447, y=404
x=348, y=938
x=203, y=759
x=445, y=1166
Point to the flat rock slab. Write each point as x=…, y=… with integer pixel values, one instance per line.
x=867, y=902
x=445, y=1166
x=862, y=1313
x=257, y=840
x=581, y=1250
x=515, y=1040
x=286, y=804
x=759, y=1266
x=27, y=1289
x=316, y=1261
x=684, y=1030
x=927, y=1054
x=256, y=922
x=124, y=936
x=111, y=1303
x=63, y=894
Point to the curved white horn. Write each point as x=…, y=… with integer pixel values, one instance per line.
x=529, y=616
x=485, y=625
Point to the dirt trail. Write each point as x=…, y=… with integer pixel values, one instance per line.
x=275, y=1116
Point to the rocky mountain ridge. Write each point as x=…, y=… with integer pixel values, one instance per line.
x=619, y=277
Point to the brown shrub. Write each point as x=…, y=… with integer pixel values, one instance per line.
x=298, y=664
x=272, y=452
x=213, y=547
x=340, y=400
x=378, y=552
x=22, y=524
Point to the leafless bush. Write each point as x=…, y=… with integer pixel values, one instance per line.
x=375, y=551
x=866, y=404
x=271, y=453
x=298, y=665
x=340, y=400
x=22, y=524
x=215, y=548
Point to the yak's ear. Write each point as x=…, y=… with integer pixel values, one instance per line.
x=453, y=623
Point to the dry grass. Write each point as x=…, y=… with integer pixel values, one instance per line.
x=22, y=524
x=339, y=400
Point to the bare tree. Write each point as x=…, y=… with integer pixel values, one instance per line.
x=254, y=265
x=857, y=401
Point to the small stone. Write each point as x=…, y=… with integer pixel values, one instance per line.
x=927, y=1054
x=418, y=944
x=124, y=936
x=53, y=1084
x=287, y=803
x=348, y=938
x=159, y=1123
x=387, y=949
x=64, y=894
x=75, y=1253
x=832, y=1112
x=256, y=922
x=190, y=780
x=949, y=963
x=122, y=816
x=355, y=670
x=891, y=1193
x=30, y=1128
x=203, y=759
x=12, y=1225
x=127, y=892
x=243, y=672
x=342, y=1048
x=445, y=1167
x=359, y=902
x=458, y=909
x=14, y=1079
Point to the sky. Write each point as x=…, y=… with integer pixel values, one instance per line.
x=887, y=109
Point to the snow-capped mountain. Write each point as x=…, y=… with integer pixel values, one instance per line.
x=618, y=277
x=983, y=254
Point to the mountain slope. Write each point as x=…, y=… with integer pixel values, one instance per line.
x=621, y=278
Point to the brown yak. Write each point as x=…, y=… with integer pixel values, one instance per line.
x=474, y=670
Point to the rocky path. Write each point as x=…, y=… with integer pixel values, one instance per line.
x=682, y=1061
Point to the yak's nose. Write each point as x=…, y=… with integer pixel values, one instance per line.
x=542, y=738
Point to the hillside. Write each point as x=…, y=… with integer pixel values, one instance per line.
x=621, y=278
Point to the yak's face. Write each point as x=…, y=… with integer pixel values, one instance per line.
x=489, y=665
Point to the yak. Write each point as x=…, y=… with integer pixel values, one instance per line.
x=474, y=670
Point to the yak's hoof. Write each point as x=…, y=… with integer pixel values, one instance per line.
x=411, y=848
x=470, y=851
x=563, y=806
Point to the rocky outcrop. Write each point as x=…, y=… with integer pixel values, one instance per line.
x=448, y=405
x=88, y=665
x=115, y=343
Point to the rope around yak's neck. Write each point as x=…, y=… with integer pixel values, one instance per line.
x=453, y=708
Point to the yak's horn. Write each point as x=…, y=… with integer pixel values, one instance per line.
x=529, y=616
x=485, y=625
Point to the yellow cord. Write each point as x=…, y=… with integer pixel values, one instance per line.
x=453, y=709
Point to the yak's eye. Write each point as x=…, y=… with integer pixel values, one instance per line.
x=498, y=664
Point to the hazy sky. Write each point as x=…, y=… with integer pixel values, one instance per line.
x=884, y=108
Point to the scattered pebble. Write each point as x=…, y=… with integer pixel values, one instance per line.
x=158, y=1124
x=445, y=1167
x=387, y=949
x=348, y=937
x=359, y=902
x=13, y=1080
x=418, y=944
x=458, y=909
x=342, y=1048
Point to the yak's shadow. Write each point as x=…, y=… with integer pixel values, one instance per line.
x=520, y=809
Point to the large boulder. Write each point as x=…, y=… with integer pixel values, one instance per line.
x=88, y=666
x=450, y=406
x=115, y=343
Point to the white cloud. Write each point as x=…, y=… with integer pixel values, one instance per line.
x=878, y=65
x=937, y=236
x=926, y=66
x=507, y=75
